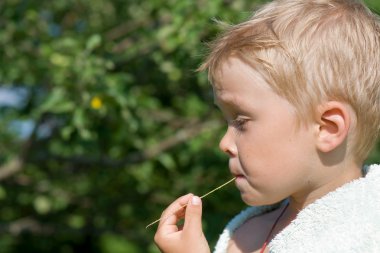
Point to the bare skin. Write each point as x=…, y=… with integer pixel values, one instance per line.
x=259, y=226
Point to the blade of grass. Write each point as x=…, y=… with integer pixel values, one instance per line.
x=204, y=195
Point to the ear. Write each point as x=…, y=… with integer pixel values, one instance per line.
x=333, y=125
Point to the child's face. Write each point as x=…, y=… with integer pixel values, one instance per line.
x=271, y=158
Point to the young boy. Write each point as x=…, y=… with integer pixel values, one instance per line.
x=298, y=84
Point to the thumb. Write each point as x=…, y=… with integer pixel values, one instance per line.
x=193, y=216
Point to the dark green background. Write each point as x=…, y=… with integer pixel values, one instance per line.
x=87, y=178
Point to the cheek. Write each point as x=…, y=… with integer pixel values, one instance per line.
x=269, y=150
x=265, y=142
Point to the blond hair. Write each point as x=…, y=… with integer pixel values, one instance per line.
x=312, y=51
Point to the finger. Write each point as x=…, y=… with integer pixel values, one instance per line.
x=176, y=206
x=173, y=214
x=193, y=215
x=169, y=225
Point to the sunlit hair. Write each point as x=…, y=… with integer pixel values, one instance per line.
x=310, y=52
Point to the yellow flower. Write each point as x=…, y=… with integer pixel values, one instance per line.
x=96, y=103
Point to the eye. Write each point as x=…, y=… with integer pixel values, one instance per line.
x=239, y=123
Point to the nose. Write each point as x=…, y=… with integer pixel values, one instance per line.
x=227, y=144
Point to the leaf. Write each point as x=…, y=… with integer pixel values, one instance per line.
x=93, y=42
x=56, y=102
x=76, y=221
x=167, y=161
x=3, y=193
x=42, y=204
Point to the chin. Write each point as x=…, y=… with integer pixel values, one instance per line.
x=256, y=201
x=251, y=201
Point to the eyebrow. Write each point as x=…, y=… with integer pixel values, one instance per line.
x=230, y=100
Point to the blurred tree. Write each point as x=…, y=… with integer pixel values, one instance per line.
x=107, y=121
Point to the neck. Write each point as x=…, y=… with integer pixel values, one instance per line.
x=337, y=177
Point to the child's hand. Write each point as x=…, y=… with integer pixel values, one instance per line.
x=173, y=239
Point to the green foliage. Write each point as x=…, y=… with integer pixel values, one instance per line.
x=374, y=5
x=121, y=122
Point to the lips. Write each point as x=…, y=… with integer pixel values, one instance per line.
x=234, y=169
x=239, y=178
x=236, y=174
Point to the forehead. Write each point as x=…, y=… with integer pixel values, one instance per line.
x=225, y=98
x=235, y=76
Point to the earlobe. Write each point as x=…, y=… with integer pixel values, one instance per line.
x=333, y=126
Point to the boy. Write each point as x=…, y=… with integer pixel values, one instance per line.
x=298, y=84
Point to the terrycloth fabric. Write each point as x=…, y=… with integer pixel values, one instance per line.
x=345, y=220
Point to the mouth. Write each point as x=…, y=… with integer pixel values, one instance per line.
x=235, y=171
x=237, y=175
x=240, y=179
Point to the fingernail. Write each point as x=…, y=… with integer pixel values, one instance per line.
x=195, y=201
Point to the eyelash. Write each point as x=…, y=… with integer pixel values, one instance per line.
x=239, y=123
